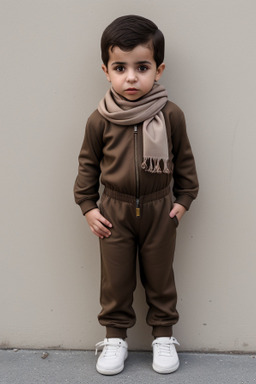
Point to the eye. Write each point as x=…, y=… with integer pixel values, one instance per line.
x=142, y=68
x=119, y=68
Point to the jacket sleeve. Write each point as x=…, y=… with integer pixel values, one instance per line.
x=185, y=187
x=86, y=188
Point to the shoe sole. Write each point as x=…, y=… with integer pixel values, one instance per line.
x=166, y=370
x=111, y=372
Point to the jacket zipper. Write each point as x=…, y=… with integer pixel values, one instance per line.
x=137, y=171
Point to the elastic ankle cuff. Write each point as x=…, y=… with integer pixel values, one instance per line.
x=120, y=333
x=162, y=331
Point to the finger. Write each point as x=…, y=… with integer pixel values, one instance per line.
x=104, y=230
x=173, y=212
x=97, y=233
x=105, y=221
x=100, y=229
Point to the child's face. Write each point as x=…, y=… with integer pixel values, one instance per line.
x=133, y=73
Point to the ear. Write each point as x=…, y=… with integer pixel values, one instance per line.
x=105, y=70
x=159, y=71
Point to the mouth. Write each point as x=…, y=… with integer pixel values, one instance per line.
x=131, y=91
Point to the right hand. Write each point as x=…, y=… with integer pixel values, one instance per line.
x=98, y=224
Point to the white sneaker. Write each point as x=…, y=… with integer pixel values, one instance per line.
x=165, y=357
x=111, y=359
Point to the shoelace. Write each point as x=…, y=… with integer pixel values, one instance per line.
x=111, y=349
x=164, y=349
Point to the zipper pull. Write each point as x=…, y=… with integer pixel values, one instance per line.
x=137, y=207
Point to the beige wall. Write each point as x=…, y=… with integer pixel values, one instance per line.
x=50, y=82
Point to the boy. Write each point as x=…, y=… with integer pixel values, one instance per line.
x=136, y=142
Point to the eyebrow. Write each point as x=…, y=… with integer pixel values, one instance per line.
x=138, y=62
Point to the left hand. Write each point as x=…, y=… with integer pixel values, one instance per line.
x=178, y=211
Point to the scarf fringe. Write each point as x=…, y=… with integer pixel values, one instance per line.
x=153, y=165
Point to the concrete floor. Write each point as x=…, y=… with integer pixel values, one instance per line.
x=78, y=367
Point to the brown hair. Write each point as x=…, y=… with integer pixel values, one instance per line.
x=126, y=32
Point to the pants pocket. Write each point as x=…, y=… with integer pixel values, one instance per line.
x=176, y=221
x=102, y=198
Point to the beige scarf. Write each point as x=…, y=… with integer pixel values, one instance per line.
x=147, y=110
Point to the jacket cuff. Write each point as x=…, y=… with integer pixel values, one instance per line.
x=184, y=200
x=87, y=205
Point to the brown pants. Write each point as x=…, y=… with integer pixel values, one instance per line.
x=152, y=237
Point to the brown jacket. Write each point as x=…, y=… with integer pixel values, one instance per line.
x=114, y=154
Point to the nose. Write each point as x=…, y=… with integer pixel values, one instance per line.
x=131, y=76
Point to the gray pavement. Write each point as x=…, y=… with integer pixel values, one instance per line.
x=77, y=367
